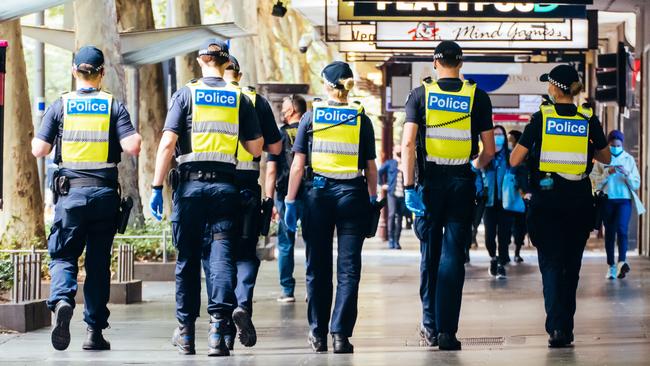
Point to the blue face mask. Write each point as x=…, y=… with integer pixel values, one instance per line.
x=499, y=140
x=616, y=150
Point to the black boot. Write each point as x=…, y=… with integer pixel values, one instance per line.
x=559, y=339
x=95, y=341
x=231, y=332
x=61, y=331
x=428, y=338
x=342, y=344
x=217, y=337
x=183, y=339
x=448, y=342
x=245, y=328
x=318, y=344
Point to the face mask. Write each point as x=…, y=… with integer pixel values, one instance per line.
x=616, y=150
x=499, y=140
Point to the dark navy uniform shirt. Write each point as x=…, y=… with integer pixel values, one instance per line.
x=366, y=140
x=270, y=133
x=481, y=110
x=179, y=121
x=284, y=160
x=532, y=140
x=121, y=127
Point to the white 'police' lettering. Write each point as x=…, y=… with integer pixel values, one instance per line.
x=448, y=102
x=216, y=98
x=566, y=127
x=87, y=106
x=335, y=115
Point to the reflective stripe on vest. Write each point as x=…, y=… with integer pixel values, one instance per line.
x=335, y=151
x=449, y=124
x=245, y=160
x=215, y=123
x=565, y=140
x=86, y=130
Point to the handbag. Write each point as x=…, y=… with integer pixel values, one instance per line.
x=512, y=200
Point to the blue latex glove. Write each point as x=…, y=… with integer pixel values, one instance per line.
x=291, y=216
x=156, y=203
x=373, y=198
x=414, y=202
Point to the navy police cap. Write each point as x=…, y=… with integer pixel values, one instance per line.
x=89, y=55
x=222, y=49
x=448, y=50
x=336, y=71
x=234, y=64
x=562, y=76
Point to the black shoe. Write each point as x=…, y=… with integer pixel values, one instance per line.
x=397, y=246
x=95, y=341
x=245, y=328
x=622, y=269
x=61, y=330
x=342, y=344
x=501, y=272
x=318, y=344
x=183, y=339
x=518, y=259
x=428, y=338
x=493, y=267
x=230, y=335
x=217, y=337
x=448, y=342
x=559, y=339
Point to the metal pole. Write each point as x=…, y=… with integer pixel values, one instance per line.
x=3, y=70
x=14, y=290
x=164, y=245
x=135, y=96
x=39, y=95
x=38, y=275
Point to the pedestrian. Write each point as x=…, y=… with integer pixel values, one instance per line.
x=392, y=179
x=520, y=174
x=561, y=141
x=246, y=179
x=89, y=129
x=336, y=141
x=496, y=220
x=446, y=117
x=278, y=168
x=205, y=123
x=618, y=180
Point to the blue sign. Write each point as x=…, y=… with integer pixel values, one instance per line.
x=448, y=102
x=87, y=106
x=567, y=127
x=215, y=98
x=335, y=115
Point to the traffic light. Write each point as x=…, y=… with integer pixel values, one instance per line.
x=612, y=76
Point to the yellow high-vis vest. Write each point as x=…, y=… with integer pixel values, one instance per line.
x=449, y=123
x=565, y=140
x=246, y=160
x=215, y=123
x=86, y=129
x=335, y=151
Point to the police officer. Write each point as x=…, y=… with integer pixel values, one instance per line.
x=246, y=179
x=561, y=142
x=444, y=118
x=339, y=139
x=206, y=120
x=89, y=129
x=277, y=170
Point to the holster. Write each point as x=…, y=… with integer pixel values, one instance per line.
x=123, y=214
x=375, y=214
x=60, y=186
x=265, y=216
x=599, y=206
x=174, y=178
x=250, y=216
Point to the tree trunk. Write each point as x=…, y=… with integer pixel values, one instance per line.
x=21, y=222
x=186, y=12
x=137, y=15
x=96, y=23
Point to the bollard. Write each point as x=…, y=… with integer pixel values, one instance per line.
x=27, y=277
x=125, y=263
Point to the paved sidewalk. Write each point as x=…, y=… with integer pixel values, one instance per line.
x=502, y=321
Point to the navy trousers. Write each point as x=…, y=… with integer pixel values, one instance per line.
x=85, y=218
x=449, y=196
x=559, y=222
x=197, y=206
x=498, y=229
x=396, y=209
x=346, y=207
x=617, y=220
x=286, y=245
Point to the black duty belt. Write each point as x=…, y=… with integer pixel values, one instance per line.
x=91, y=182
x=433, y=169
x=209, y=176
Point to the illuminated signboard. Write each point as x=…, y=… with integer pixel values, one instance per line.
x=568, y=34
x=570, y=2
x=405, y=11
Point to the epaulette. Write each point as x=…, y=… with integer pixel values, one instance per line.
x=471, y=81
x=587, y=105
x=193, y=81
x=250, y=89
x=317, y=99
x=546, y=102
x=427, y=80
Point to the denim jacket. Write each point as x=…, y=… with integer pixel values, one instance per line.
x=493, y=177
